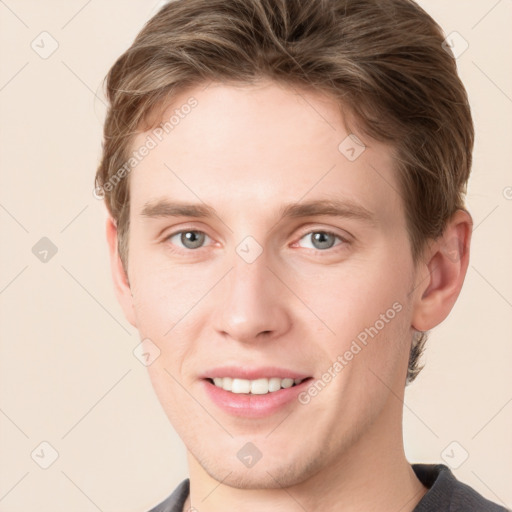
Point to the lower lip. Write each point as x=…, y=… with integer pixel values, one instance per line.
x=253, y=406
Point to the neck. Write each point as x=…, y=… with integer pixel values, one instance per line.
x=373, y=474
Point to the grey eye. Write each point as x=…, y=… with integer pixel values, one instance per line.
x=321, y=239
x=189, y=239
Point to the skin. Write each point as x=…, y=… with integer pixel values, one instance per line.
x=246, y=151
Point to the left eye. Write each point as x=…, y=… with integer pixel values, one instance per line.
x=321, y=239
x=189, y=239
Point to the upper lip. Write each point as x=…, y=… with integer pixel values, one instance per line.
x=245, y=372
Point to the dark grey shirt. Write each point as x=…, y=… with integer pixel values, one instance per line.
x=445, y=493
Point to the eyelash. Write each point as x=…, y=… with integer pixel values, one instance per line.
x=344, y=241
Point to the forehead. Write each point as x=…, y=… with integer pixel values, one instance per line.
x=264, y=144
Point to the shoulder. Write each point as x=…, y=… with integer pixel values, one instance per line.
x=447, y=494
x=175, y=502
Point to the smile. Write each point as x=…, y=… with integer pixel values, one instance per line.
x=261, y=386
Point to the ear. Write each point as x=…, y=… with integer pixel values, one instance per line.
x=121, y=284
x=441, y=275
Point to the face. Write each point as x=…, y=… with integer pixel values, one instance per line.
x=266, y=249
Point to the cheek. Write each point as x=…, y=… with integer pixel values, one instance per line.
x=367, y=306
x=168, y=303
x=164, y=294
x=168, y=391
x=356, y=296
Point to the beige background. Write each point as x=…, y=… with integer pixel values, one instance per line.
x=67, y=372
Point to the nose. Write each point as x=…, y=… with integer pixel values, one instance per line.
x=252, y=305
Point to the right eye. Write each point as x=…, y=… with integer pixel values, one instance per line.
x=189, y=239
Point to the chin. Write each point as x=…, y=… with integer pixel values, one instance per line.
x=265, y=474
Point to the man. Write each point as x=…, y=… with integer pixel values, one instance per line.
x=285, y=182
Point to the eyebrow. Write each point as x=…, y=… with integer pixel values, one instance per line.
x=328, y=207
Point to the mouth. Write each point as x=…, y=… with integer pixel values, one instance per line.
x=261, y=386
x=254, y=393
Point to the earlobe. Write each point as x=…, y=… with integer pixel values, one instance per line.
x=120, y=279
x=443, y=273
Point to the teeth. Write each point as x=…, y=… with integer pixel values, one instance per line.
x=287, y=383
x=227, y=383
x=259, y=386
x=241, y=386
x=255, y=387
x=274, y=384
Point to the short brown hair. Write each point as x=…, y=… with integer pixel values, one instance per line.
x=384, y=60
